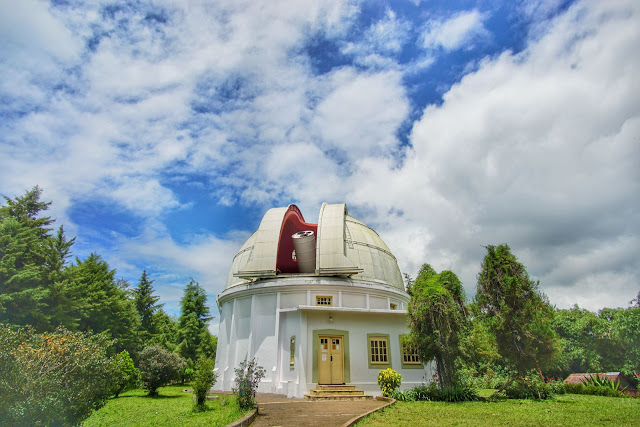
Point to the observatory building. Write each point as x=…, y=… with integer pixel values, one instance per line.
x=315, y=304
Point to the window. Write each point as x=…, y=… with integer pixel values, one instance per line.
x=409, y=352
x=393, y=306
x=379, y=350
x=292, y=351
x=324, y=300
x=410, y=355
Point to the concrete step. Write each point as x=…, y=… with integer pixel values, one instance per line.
x=332, y=392
x=338, y=397
x=335, y=387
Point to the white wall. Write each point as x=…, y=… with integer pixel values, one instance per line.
x=260, y=322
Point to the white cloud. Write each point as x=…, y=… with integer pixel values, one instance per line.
x=28, y=27
x=459, y=31
x=360, y=116
x=382, y=38
x=538, y=150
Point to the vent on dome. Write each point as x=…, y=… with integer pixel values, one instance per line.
x=304, y=243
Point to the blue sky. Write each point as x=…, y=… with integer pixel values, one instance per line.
x=163, y=130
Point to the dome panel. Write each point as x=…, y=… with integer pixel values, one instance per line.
x=345, y=247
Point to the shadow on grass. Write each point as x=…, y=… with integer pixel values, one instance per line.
x=161, y=396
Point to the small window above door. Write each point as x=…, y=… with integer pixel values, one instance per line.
x=326, y=301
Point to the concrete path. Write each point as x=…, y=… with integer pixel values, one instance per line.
x=278, y=410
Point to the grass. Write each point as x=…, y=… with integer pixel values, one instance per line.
x=172, y=407
x=564, y=410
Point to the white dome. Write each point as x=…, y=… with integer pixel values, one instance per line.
x=344, y=247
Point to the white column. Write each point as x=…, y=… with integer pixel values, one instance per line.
x=276, y=374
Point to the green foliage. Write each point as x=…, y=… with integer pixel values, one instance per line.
x=100, y=304
x=482, y=364
x=593, y=390
x=146, y=305
x=54, y=378
x=159, y=367
x=519, y=316
x=125, y=375
x=248, y=377
x=602, y=381
x=204, y=380
x=529, y=387
x=166, y=330
x=598, y=342
x=389, y=380
x=24, y=239
x=432, y=392
x=194, y=339
x=490, y=377
x=437, y=316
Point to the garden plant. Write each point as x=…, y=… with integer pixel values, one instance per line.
x=248, y=377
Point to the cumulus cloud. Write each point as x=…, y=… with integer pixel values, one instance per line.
x=456, y=32
x=537, y=149
x=380, y=42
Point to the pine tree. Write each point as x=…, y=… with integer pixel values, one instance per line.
x=518, y=314
x=146, y=305
x=193, y=335
x=24, y=236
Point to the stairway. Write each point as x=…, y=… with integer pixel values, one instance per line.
x=336, y=392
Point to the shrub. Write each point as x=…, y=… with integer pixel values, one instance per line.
x=125, y=375
x=54, y=378
x=248, y=376
x=406, y=396
x=489, y=377
x=597, y=381
x=204, y=380
x=187, y=374
x=529, y=387
x=159, y=367
x=389, y=380
x=421, y=392
x=592, y=390
x=455, y=393
x=557, y=387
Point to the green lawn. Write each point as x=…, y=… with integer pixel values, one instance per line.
x=564, y=410
x=173, y=407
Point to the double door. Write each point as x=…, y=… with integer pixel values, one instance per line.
x=330, y=359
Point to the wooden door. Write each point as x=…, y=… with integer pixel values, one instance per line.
x=330, y=360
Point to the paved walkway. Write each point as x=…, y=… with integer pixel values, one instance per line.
x=278, y=410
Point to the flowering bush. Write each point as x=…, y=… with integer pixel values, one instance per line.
x=248, y=376
x=389, y=380
x=53, y=378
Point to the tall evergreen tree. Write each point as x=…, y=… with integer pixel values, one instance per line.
x=56, y=252
x=100, y=304
x=518, y=314
x=146, y=305
x=437, y=317
x=194, y=338
x=24, y=237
